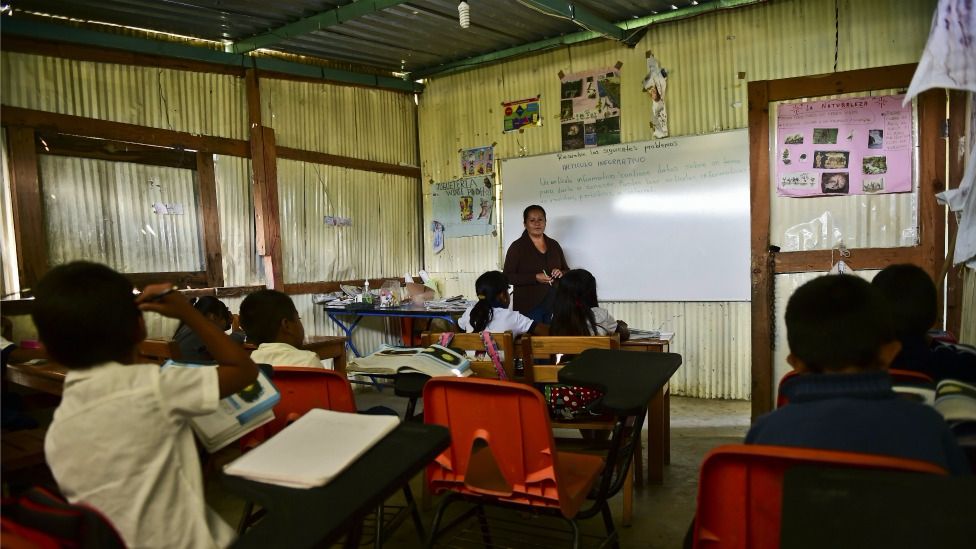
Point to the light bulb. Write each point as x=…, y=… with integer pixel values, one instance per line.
x=464, y=14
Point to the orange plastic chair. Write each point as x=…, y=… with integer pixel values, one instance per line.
x=740, y=490
x=502, y=451
x=781, y=399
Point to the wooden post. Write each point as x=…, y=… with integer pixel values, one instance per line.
x=264, y=160
x=28, y=206
x=931, y=180
x=210, y=219
x=957, y=166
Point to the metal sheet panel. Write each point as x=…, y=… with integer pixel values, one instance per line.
x=242, y=264
x=194, y=102
x=8, y=246
x=710, y=60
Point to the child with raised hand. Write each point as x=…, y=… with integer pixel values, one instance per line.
x=841, y=338
x=576, y=310
x=271, y=321
x=121, y=440
x=491, y=311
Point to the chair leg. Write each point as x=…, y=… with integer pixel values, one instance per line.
x=628, y=504
x=483, y=523
x=414, y=512
x=378, y=540
x=639, y=463
x=245, y=517
x=438, y=515
x=608, y=524
x=577, y=540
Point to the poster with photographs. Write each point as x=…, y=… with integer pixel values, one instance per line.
x=589, y=108
x=463, y=207
x=858, y=145
x=521, y=113
x=478, y=161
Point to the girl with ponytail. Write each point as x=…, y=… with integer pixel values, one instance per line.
x=491, y=311
x=577, y=312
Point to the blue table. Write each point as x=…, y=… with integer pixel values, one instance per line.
x=403, y=311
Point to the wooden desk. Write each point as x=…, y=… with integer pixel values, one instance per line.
x=333, y=347
x=47, y=377
x=658, y=416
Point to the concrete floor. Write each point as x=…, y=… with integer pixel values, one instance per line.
x=662, y=513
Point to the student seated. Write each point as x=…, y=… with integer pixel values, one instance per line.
x=577, y=312
x=120, y=440
x=841, y=339
x=913, y=299
x=491, y=311
x=190, y=344
x=271, y=321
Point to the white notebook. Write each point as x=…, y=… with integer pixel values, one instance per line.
x=314, y=449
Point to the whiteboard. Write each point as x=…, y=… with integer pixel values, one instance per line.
x=663, y=220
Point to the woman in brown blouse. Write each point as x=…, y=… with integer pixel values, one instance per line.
x=532, y=263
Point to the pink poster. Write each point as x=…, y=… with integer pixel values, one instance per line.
x=858, y=145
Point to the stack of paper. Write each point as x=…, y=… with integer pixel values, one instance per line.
x=314, y=449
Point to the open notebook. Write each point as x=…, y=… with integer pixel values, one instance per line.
x=313, y=450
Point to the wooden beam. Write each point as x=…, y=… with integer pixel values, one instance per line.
x=28, y=206
x=265, y=192
x=957, y=166
x=348, y=162
x=210, y=219
x=96, y=54
x=860, y=80
x=763, y=319
x=113, y=151
x=50, y=122
x=252, y=92
x=860, y=259
x=931, y=180
x=182, y=279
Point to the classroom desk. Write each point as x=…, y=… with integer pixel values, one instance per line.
x=49, y=376
x=658, y=415
x=408, y=311
x=316, y=517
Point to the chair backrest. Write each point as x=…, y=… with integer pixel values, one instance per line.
x=501, y=442
x=40, y=518
x=303, y=389
x=898, y=377
x=545, y=347
x=473, y=342
x=158, y=350
x=740, y=490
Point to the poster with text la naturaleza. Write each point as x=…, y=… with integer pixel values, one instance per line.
x=464, y=206
x=857, y=145
x=589, y=109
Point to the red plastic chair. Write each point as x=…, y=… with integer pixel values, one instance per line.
x=502, y=451
x=302, y=389
x=781, y=399
x=740, y=491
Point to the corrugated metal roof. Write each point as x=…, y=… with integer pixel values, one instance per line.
x=415, y=35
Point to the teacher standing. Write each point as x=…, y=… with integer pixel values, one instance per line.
x=532, y=263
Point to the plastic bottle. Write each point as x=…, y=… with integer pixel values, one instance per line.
x=367, y=297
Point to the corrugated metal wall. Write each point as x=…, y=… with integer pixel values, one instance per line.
x=710, y=59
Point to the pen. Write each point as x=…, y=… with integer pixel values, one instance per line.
x=161, y=295
x=545, y=274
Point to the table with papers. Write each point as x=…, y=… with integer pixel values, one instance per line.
x=358, y=311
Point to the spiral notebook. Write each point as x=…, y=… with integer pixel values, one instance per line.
x=314, y=449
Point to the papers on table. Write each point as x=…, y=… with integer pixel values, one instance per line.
x=637, y=333
x=313, y=450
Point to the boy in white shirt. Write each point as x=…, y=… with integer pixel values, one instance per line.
x=271, y=321
x=121, y=441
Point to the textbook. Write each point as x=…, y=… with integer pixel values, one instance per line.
x=314, y=449
x=956, y=400
x=237, y=414
x=434, y=361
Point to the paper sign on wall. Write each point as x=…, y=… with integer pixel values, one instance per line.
x=163, y=208
x=590, y=108
x=521, y=113
x=464, y=206
x=478, y=161
x=858, y=145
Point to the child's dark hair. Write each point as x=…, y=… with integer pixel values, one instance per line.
x=262, y=312
x=572, y=308
x=525, y=212
x=838, y=321
x=488, y=286
x=86, y=314
x=209, y=305
x=912, y=297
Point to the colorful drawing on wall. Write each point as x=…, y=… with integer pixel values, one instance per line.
x=464, y=206
x=656, y=85
x=858, y=145
x=477, y=161
x=437, y=236
x=590, y=108
x=521, y=113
